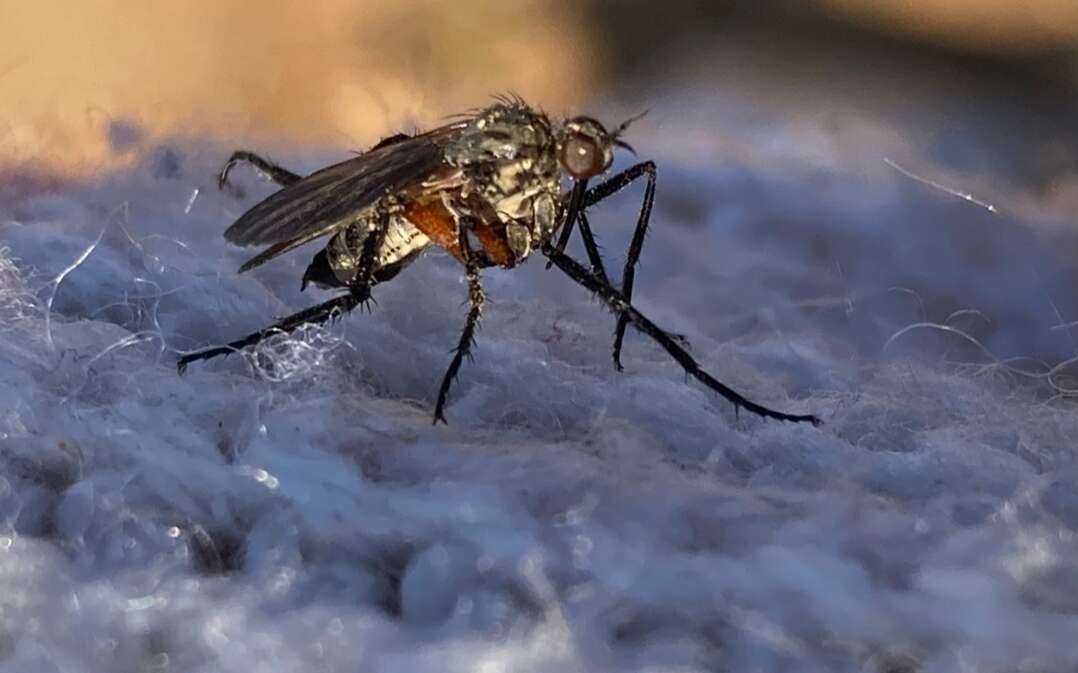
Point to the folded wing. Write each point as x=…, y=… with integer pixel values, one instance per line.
x=331, y=198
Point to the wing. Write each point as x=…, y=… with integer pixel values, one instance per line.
x=331, y=198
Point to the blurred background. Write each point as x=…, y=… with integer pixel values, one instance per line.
x=87, y=84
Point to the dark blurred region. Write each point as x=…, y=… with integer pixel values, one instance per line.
x=978, y=85
x=1041, y=35
x=1018, y=51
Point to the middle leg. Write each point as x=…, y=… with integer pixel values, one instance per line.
x=467, y=337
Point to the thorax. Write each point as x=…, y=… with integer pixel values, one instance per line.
x=511, y=177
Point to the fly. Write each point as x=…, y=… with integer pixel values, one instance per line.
x=485, y=188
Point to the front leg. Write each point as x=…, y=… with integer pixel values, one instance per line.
x=618, y=303
x=605, y=190
x=476, y=300
x=574, y=208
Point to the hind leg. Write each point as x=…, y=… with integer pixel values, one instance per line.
x=315, y=314
x=359, y=293
x=463, y=350
x=265, y=168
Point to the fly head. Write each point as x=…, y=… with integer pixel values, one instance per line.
x=585, y=148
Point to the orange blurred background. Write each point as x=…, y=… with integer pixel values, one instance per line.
x=85, y=84
x=335, y=72
x=1022, y=26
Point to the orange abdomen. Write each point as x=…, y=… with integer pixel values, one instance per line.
x=433, y=219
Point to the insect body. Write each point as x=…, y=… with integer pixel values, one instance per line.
x=487, y=189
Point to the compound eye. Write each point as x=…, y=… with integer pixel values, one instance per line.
x=581, y=157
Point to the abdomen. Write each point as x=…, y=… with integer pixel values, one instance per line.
x=402, y=244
